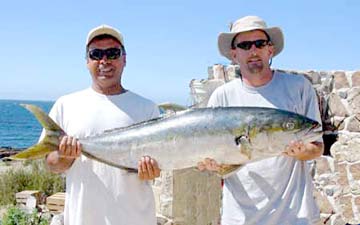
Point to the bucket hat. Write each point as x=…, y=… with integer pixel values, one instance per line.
x=249, y=23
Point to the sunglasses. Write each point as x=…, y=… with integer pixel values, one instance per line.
x=111, y=53
x=246, y=45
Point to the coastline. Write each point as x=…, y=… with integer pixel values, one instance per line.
x=9, y=164
x=8, y=151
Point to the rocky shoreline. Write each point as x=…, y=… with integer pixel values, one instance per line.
x=8, y=151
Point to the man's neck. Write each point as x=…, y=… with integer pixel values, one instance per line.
x=257, y=79
x=112, y=90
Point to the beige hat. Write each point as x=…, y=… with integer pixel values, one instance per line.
x=104, y=29
x=249, y=23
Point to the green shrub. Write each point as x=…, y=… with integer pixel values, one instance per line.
x=32, y=177
x=16, y=216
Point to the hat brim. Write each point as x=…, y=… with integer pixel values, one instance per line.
x=275, y=34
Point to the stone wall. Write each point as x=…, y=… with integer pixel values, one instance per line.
x=193, y=198
x=185, y=197
x=337, y=176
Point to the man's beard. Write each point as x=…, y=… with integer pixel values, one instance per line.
x=255, y=67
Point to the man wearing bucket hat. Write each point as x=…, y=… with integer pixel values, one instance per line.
x=97, y=193
x=276, y=190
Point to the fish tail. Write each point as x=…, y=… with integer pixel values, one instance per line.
x=49, y=143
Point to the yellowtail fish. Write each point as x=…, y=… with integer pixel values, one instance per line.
x=231, y=135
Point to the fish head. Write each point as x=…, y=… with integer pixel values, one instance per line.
x=277, y=128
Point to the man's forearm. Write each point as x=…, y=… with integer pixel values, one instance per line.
x=57, y=164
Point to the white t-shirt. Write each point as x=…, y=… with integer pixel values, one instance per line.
x=95, y=192
x=277, y=190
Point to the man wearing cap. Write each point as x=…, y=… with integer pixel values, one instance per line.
x=97, y=193
x=276, y=190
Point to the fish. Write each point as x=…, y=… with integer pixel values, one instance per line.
x=233, y=136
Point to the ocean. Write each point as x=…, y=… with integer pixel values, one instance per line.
x=18, y=127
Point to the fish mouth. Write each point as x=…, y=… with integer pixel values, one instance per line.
x=315, y=125
x=313, y=133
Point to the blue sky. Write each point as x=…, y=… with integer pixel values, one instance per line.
x=168, y=42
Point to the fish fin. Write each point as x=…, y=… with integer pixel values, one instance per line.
x=245, y=146
x=167, y=106
x=49, y=143
x=142, y=123
x=135, y=125
x=227, y=170
x=34, y=152
x=147, y=122
x=43, y=118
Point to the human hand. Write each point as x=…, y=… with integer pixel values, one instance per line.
x=208, y=164
x=148, y=168
x=304, y=151
x=296, y=149
x=69, y=147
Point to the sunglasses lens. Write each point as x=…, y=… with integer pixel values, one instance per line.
x=246, y=45
x=96, y=54
x=111, y=53
x=260, y=43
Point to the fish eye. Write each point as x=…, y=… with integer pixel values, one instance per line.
x=290, y=125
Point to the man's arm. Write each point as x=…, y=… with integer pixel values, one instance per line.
x=61, y=160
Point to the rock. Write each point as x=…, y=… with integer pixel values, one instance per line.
x=354, y=100
x=353, y=123
x=341, y=80
x=57, y=219
x=323, y=165
x=354, y=170
x=8, y=151
x=338, y=122
x=336, y=107
x=323, y=203
x=313, y=77
x=355, y=79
